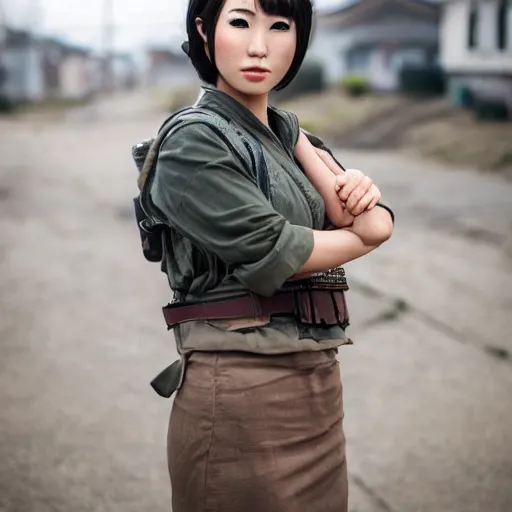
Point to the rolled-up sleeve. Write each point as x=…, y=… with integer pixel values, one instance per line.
x=205, y=192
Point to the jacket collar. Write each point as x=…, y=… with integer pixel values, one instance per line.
x=227, y=106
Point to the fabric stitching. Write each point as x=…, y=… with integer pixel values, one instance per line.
x=210, y=442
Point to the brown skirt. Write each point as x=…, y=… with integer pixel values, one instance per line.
x=257, y=433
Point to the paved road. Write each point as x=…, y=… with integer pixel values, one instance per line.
x=427, y=385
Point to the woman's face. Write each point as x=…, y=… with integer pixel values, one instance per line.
x=253, y=50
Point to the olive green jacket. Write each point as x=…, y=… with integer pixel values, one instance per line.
x=227, y=236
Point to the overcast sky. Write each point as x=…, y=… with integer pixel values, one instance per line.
x=138, y=22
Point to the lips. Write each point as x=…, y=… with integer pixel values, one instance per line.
x=255, y=74
x=255, y=70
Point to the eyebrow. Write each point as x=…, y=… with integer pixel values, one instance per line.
x=244, y=11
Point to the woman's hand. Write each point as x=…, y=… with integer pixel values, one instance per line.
x=346, y=194
x=356, y=191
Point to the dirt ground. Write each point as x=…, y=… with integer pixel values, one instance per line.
x=430, y=128
x=460, y=140
x=427, y=384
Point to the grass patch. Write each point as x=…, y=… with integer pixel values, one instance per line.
x=463, y=141
x=332, y=112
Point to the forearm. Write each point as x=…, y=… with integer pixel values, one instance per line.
x=373, y=226
x=323, y=180
x=334, y=248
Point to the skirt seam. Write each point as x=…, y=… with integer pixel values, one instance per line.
x=210, y=441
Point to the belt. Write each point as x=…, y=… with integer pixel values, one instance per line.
x=310, y=307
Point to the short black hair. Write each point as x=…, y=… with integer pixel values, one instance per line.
x=300, y=11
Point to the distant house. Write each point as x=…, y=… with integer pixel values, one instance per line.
x=476, y=46
x=38, y=69
x=21, y=60
x=114, y=72
x=76, y=80
x=125, y=71
x=376, y=38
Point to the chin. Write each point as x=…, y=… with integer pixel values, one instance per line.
x=256, y=90
x=252, y=89
x=247, y=88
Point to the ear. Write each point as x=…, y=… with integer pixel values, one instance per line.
x=200, y=29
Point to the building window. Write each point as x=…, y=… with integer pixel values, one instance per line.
x=504, y=33
x=473, y=27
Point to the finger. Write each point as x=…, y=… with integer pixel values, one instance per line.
x=347, y=190
x=375, y=200
x=359, y=192
x=340, y=182
x=341, y=178
x=369, y=201
x=361, y=205
x=352, y=179
x=339, y=193
x=364, y=203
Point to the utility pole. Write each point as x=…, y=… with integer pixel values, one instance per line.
x=108, y=44
x=3, y=24
x=3, y=41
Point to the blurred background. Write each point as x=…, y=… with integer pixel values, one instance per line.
x=416, y=93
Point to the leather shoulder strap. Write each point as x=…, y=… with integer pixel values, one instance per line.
x=187, y=117
x=151, y=157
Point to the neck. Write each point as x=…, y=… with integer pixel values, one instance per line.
x=258, y=105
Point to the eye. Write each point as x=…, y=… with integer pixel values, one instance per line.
x=281, y=26
x=239, y=22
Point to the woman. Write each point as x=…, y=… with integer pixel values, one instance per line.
x=257, y=422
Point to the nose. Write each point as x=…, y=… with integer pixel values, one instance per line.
x=258, y=45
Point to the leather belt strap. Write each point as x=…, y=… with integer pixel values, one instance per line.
x=245, y=306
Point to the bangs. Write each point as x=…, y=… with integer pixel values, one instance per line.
x=285, y=8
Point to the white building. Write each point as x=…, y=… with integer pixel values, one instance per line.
x=476, y=46
x=376, y=38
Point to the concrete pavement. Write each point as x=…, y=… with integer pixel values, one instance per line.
x=427, y=385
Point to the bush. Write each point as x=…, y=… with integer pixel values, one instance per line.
x=355, y=85
x=491, y=110
x=424, y=81
x=6, y=105
x=309, y=79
